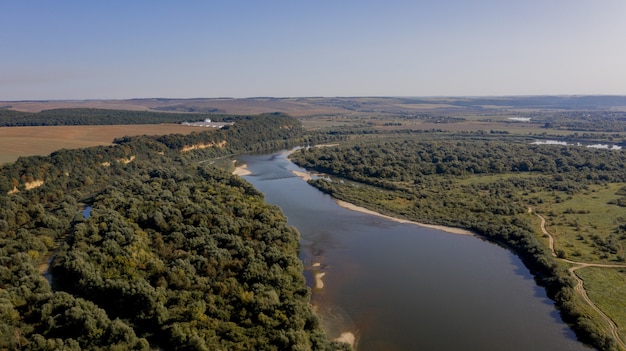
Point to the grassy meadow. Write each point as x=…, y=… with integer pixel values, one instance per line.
x=585, y=225
x=588, y=226
x=605, y=287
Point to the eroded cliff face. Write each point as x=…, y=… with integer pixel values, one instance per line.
x=221, y=144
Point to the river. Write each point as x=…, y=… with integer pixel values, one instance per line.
x=405, y=287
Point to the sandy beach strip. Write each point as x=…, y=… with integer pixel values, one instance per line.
x=242, y=170
x=347, y=337
x=356, y=208
x=307, y=176
x=304, y=175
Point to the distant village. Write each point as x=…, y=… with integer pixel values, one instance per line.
x=208, y=124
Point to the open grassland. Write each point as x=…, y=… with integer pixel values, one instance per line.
x=585, y=225
x=606, y=286
x=586, y=229
x=454, y=115
x=28, y=141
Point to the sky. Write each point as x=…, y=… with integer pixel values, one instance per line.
x=90, y=49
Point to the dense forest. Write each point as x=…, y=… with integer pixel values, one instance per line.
x=91, y=116
x=410, y=160
x=485, y=186
x=171, y=253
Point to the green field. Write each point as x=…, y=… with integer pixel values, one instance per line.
x=606, y=286
x=494, y=186
x=585, y=225
x=460, y=162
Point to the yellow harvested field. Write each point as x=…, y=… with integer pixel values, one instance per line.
x=29, y=141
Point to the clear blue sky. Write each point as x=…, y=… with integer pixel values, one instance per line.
x=91, y=49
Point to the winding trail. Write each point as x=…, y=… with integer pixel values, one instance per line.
x=580, y=288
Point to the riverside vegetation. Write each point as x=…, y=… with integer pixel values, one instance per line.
x=175, y=254
x=491, y=186
x=179, y=254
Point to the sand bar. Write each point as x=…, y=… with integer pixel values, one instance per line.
x=242, y=170
x=348, y=338
x=319, y=283
x=452, y=230
x=304, y=175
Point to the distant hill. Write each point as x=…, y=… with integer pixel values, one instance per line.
x=311, y=106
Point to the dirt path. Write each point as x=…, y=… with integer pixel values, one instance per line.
x=580, y=287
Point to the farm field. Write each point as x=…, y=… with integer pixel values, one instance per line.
x=28, y=141
x=294, y=107
x=583, y=214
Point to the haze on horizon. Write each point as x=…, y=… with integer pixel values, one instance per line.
x=184, y=49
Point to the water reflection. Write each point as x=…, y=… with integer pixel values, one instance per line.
x=404, y=287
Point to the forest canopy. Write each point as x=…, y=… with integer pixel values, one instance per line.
x=92, y=116
x=489, y=186
x=174, y=254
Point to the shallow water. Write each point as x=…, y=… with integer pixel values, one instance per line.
x=404, y=287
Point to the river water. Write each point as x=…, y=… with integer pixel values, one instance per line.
x=405, y=287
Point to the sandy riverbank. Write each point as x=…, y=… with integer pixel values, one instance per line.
x=347, y=337
x=242, y=170
x=319, y=283
x=306, y=176
x=452, y=230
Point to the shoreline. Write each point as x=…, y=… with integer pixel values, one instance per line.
x=350, y=337
x=306, y=176
x=451, y=230
x=347, y=337
x=319, y=283
x=241, y=170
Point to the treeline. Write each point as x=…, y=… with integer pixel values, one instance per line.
x=90, y=116
x=426, y=117
x=584, y=121
x=73, y=168
x=429, y=182
x=411, y=160
x=247, y=134
x=173, y=255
